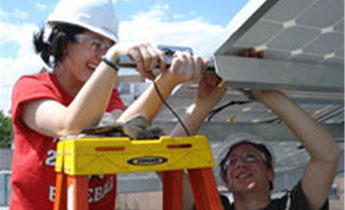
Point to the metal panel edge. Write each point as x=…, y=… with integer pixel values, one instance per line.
x=247, y=17
x=243, y=72
x=217, y=131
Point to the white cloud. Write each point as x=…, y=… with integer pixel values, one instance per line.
x=25, y=62
x=157, y=11
x=15, y=14
x=19, y=14
x=3, y=14
x=192, y=13
x=41, y=6
x=153, y=26
x=179, y=16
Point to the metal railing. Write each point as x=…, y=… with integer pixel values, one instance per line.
x=5, y=189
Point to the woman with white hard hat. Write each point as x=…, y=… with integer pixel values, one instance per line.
x=80, y=44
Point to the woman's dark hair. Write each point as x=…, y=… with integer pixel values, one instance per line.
x=52, y=49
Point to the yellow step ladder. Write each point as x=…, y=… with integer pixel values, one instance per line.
x=77, y=158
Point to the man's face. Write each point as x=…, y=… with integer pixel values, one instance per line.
x=247, y=171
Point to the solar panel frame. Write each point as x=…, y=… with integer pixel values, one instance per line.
x=309, y=31
x=286, y=32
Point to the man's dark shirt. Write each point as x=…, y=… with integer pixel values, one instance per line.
x=297, y=201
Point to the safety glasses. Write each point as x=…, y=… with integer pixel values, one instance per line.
x=93, y=43
x=247, y=157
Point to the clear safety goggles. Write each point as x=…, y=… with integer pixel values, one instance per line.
x=247, y=157
x=95, y=44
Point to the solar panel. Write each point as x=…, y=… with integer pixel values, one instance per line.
x=302, y=30
x=294, y=31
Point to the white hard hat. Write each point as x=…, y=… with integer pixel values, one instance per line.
x=98, y=16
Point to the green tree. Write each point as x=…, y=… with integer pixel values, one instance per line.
x=5, y=130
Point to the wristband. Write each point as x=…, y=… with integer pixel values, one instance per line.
x=110, y=63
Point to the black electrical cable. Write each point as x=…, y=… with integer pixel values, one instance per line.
x=218, y=109
x=170, y=109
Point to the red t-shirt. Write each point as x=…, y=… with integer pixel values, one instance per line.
x=33, y=174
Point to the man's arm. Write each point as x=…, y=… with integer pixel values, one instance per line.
x=324, y=153
x=209, y=94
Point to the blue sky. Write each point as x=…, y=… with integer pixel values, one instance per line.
x=192, y=23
